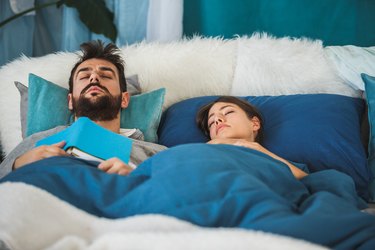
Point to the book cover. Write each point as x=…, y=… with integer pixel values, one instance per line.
x=85, y=137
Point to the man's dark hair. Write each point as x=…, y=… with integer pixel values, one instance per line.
x=250, y=110
x=96, y=49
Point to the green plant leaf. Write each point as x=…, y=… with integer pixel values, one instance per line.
x=96, y=16
x=36, y=7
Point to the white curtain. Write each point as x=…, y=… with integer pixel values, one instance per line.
x=164, y=22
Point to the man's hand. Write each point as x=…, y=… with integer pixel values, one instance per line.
x=115, y=166
x=39, y=153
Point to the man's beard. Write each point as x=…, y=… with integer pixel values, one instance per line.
x=97, y=108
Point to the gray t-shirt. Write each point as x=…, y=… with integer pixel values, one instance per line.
x=141, y=150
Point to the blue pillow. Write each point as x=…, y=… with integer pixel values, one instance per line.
x=369, y=82
x=320, y=130
x=48, y=108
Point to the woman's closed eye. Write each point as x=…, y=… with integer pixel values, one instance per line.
x=211, y=122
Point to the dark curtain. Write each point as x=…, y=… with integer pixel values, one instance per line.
x=336, y=22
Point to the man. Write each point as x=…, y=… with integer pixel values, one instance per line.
x=97, y=90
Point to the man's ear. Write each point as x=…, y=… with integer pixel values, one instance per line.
x=256, y=123
x=70, y=101
x=125, y=99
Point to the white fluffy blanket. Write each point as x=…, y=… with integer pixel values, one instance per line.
x=270, y=66
x=31, y=218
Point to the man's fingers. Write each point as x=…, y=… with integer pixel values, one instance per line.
x=119, y=169
x=112, y=170
x=52, y=150
x=59, y=144
x=115, y=166
x=55, y=151
x=52, y=153
x=105, y=165
x=125, y=171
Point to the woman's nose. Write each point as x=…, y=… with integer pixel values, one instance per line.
x=218, y=119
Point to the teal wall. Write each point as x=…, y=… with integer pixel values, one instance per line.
x=336, y=22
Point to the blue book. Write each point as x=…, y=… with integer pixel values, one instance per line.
x=86, y=139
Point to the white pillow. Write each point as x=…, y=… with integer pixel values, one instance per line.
x=350, y=61
x=271, y=66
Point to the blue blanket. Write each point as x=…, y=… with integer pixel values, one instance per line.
x=215, y=186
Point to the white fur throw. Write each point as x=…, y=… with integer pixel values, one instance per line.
x=270, y=66
x=188, y=68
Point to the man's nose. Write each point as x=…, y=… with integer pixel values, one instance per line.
x=94, y=78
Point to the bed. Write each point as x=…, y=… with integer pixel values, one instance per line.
x=318, y=106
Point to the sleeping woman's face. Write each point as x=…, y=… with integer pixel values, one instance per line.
x=227, y=120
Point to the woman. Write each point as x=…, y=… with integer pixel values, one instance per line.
x=230, y=120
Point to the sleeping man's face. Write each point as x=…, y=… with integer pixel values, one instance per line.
x=96, y=91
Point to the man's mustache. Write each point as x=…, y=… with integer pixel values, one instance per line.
x=94, y=84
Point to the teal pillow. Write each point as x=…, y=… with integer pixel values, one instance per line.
x=369, y=82
x=48, y=108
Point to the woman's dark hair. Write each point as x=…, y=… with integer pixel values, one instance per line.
x=202, y=115
x=96, y=49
